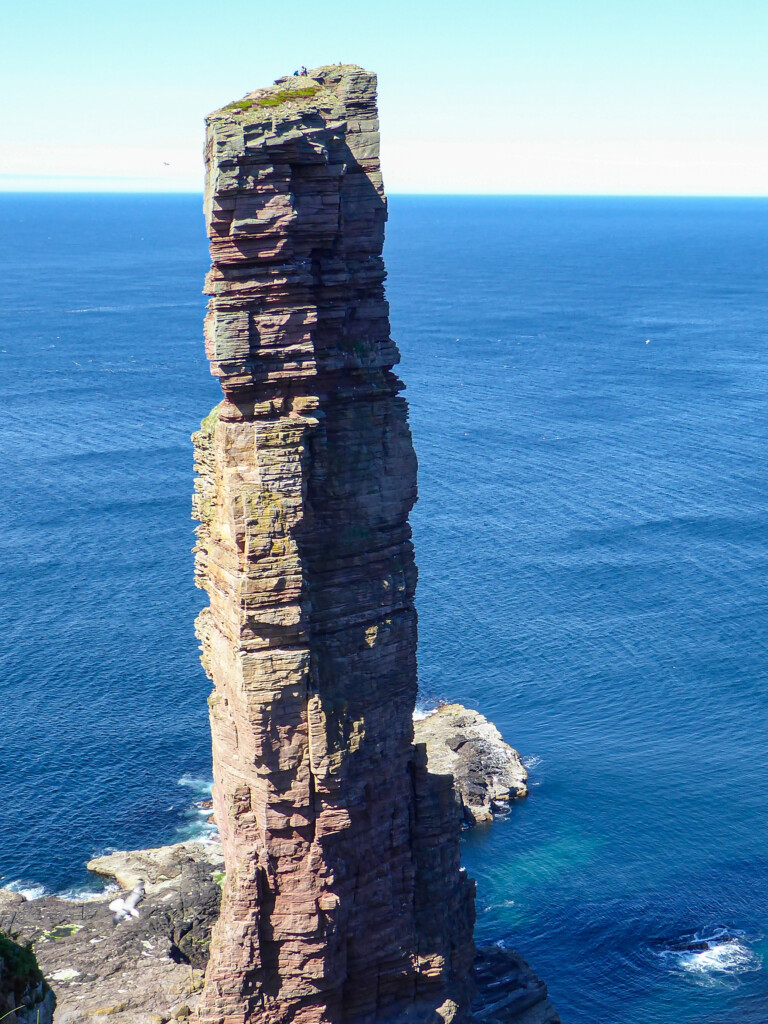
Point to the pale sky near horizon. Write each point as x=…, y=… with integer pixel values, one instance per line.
x=637, y=97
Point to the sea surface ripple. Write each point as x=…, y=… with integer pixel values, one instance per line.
x=587, y=381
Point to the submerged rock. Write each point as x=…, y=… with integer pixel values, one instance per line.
x=487, y=772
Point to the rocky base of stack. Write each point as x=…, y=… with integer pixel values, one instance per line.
x=150, y=970
x=142, y=971
x=508, y=992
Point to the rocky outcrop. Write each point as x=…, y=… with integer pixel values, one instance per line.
x=507, y=990
x=144, y=970
x=487, y=772
x=159, y=866
x=344, y=900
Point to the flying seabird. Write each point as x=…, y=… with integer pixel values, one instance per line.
x=125, y=908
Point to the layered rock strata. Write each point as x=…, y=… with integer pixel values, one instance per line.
x=344, y=899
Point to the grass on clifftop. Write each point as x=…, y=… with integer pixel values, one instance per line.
x=275, y=99
x=238, y=105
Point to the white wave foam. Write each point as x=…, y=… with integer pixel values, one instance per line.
x=87, y=895
x=421, y=713
x=726, y=954
x=200, y=786
x=532, y=762
x=198, y=832
x=732, y=957
x=489, y=908
x=197, y=827
x=210, y=837
x=29, y=892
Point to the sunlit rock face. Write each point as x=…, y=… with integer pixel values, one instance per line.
x=344, y=899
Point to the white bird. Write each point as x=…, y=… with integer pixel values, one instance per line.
x=125, y=908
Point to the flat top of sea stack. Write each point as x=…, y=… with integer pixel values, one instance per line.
x=321, y=89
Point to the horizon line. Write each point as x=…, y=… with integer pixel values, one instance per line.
x=426, y=195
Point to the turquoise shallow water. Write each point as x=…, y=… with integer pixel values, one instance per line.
x=588, y=384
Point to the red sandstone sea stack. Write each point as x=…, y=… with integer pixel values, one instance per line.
x=344, y=899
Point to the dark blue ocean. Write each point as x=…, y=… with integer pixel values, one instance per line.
x=588, y=381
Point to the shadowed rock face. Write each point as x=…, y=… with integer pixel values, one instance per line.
x=344, y=899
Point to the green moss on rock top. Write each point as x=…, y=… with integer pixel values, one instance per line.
x=275, y=99
x=293, y=89
x=208, y=425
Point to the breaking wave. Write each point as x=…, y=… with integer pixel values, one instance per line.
x=29, y=892
x=195, y=825
x=710, y=956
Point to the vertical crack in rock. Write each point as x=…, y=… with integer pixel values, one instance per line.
x=344, y=899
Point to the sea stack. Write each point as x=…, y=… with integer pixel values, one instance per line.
x=344, y=900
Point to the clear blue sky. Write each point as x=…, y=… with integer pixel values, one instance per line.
x=504, y=96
